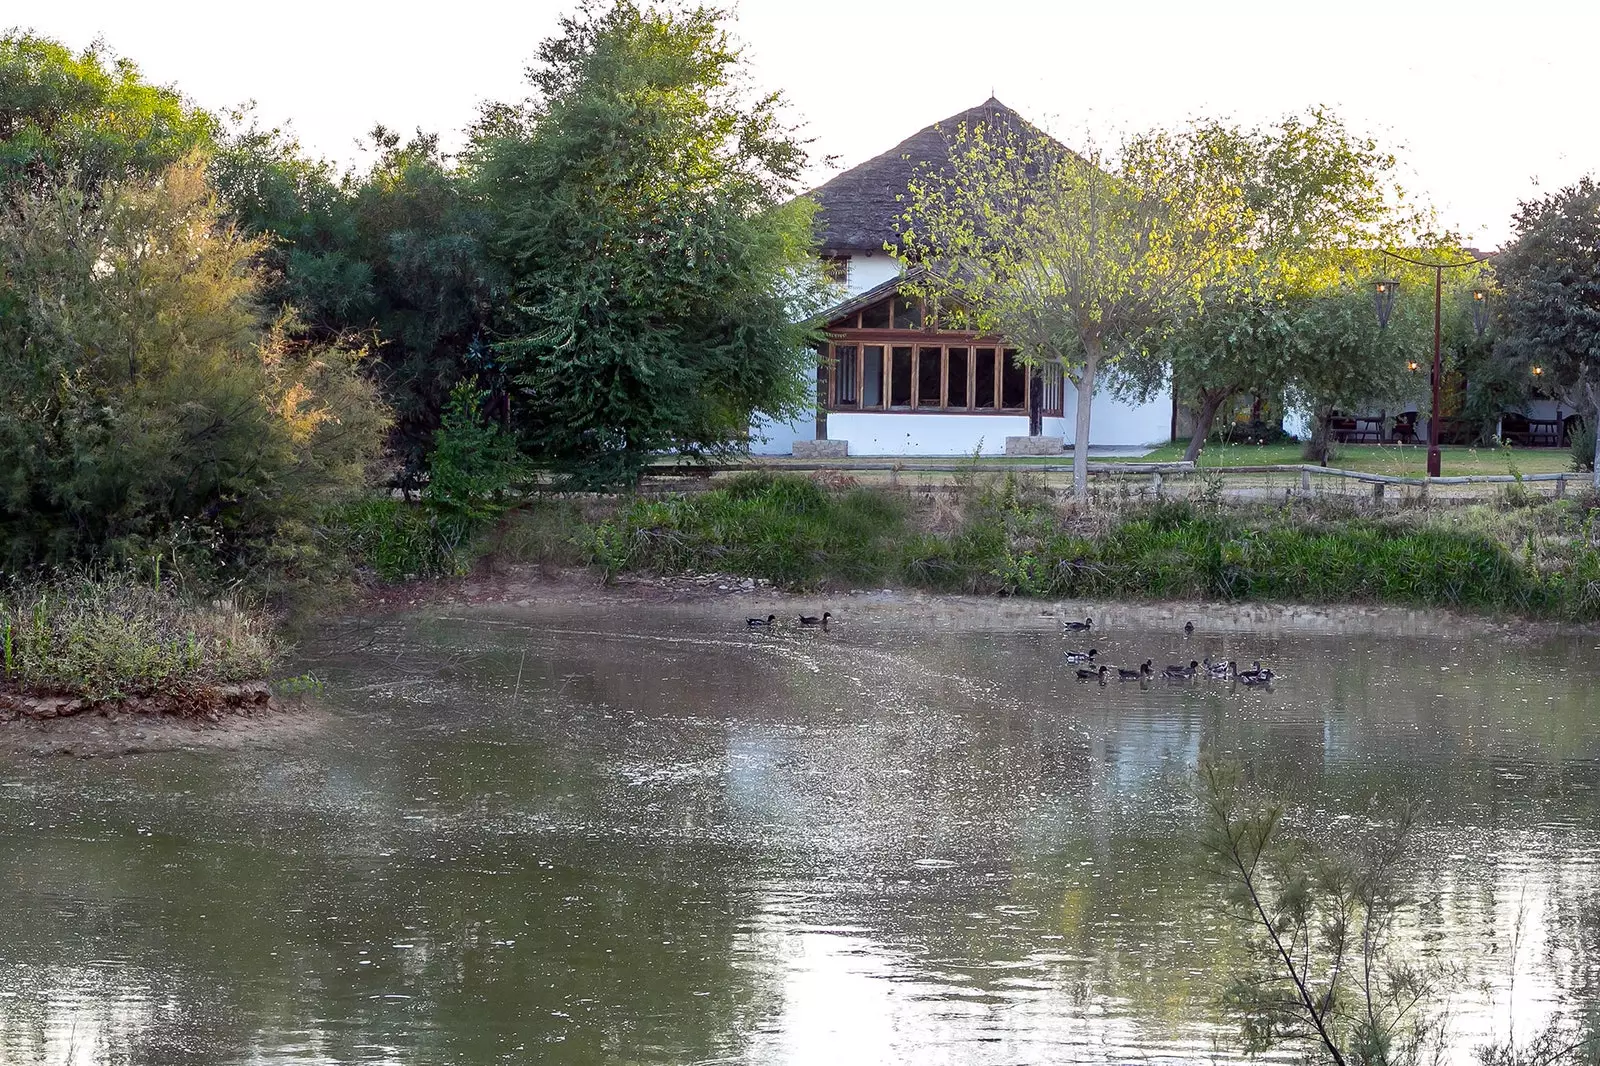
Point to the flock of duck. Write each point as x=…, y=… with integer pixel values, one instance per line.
x=1091, y=670
x=771, y=620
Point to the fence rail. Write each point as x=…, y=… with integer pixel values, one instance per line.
x=1258, y=479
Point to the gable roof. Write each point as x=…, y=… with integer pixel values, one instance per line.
x=861, y=207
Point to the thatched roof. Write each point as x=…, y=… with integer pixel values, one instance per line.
x=861, y=208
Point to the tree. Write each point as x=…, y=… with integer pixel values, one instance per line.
x=660, y=272
x=91, y=115
x=151, y=408
x=1313, y=189
x=1550, y=278
x=1077, y=259
x=392, y=258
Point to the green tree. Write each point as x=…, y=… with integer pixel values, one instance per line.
x=91, y=115
x=1550, y=278
x=1312, y=188
x=1079, y=259
x=660, y=270
x=392, y=257
x=151, y=407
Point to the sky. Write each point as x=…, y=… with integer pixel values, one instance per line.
x=1485, y=103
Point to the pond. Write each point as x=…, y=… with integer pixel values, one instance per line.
x=643, y=834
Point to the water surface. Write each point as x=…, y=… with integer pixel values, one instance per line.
x=649, y=836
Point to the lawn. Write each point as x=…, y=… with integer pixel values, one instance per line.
x=1398, y=460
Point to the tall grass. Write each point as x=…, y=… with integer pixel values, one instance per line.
x=1005, y=536
x=109, y=636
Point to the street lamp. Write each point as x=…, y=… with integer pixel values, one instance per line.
x=1384, y=291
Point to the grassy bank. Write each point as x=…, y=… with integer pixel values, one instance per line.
x=110, y=637
x=1003, y=535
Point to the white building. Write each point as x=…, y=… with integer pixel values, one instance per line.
x=890, y=386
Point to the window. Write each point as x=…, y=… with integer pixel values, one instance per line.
x=955, y=378
x=836, y=268
x=984, y=377
x=900, y=377
x=844, y=375
x=1013, y=382
x=876, y=316
x=907, y=313
x=872, y=376
x=930, y=376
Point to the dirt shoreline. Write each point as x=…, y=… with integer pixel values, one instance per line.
x=56, y=725
x=515, y=590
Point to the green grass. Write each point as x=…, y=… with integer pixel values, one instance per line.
x=1003, y=535
x=110, y=636
x=1399, y=460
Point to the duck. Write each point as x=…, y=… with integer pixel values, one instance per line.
x=1182, y=673
x=1263, y=678
x=1078, y=627
x=1082, y=656
x=757, y=623
x=813, y=620
x=1221, y=670
x=1091, y=675
x=1144, y=671
x=1188, y=628
x=1254, y=671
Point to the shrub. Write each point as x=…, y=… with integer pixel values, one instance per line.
x=109, y=636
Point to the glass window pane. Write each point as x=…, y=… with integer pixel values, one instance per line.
x=985, y=387
x=955, y=377
x=1013, y=382
x=900, y=377
x=907, y=313
x=930, y=375
x=872, y=377
x=844, y=375
x=876, y=316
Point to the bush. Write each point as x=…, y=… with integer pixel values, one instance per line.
x=111, y=636
x=150, y=411
x=1582, y=441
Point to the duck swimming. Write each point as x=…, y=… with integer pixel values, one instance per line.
x=1182, y=673
x=1221, y=670
x=1254, y=671
x=1144, y=671
x=754, y=623
x=1263, y=678
x=813, y=620
x=1188, y=627
x=1082, y=656
x=1091, y=675
x=1077, y=627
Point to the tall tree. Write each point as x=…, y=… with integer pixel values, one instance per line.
x=151, y=408
x=392, y=257
x=1079, y=259
x=1550, y=278
x=90, y=114
x=659, y=269
x=1314, y=189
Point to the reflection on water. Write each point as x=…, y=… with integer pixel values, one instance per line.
x=583, y=837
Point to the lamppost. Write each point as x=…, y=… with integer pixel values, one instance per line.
x=1384, y=290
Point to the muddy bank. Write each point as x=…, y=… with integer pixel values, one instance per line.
x=218, y=716
x=729, y=597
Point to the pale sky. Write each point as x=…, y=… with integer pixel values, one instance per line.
x=1481, y=100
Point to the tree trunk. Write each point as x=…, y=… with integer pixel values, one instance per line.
x=1594, y=394
x=1080, y=439
x=1202, y=425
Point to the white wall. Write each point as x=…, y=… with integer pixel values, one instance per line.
x=777, y=438
x=924, y=434
x=1117, y=423
x=867, y=271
